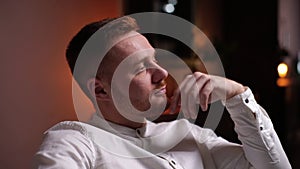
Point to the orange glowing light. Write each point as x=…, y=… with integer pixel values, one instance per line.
x=283, y=82
x=282, y=69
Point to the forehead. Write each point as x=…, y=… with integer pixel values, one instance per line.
x=136, y=46
x=131, y=45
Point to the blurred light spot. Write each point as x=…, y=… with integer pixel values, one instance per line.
x=282, y=70
x=283, y=82
x=169, y=8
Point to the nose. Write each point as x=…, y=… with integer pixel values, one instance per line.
x=159, y=74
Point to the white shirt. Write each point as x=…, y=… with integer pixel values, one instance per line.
x=175, y=145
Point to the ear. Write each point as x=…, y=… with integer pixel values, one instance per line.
x=97, y=90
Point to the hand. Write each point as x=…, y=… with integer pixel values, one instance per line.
x=200, y=88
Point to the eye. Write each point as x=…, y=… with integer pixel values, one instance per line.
x=140, y=69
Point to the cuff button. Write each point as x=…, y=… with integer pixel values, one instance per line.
x=138, y=131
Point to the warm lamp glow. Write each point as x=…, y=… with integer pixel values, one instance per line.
x=282, y=69
x=283, y=82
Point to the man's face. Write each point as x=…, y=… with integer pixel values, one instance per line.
x=137, y=74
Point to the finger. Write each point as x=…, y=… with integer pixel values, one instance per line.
x=189, y=103
x=184, y=90
x=175, y=101
x=192, y=104
x=205, y=95
x=193, y=97
x=190, y=89
x=202, y=81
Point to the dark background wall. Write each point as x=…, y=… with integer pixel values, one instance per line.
x=245, y=36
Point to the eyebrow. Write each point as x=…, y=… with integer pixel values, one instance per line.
x=145, y=57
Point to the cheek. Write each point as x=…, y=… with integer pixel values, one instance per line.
x=138, y=89
x=139, y=95
x=140, y=86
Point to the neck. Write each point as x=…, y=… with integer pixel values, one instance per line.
x=114, y=116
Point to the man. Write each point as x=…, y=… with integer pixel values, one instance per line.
x=130, y=87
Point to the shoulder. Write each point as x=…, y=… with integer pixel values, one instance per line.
x=67, y=134
x=66, y=129
x=66, y=144
x=69, y=126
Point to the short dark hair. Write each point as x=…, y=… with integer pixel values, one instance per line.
x=119, y=27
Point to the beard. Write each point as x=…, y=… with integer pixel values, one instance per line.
x=137, y=110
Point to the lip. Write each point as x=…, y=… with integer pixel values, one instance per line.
x=162, y=90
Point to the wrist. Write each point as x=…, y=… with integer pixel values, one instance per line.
x=237, y=89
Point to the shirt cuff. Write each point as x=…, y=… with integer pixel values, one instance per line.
x=255, y=130
x=244, y=110
x=246, y=98
x=249, y=117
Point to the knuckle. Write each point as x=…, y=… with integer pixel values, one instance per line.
x=206, y=77
x=189, y=76
x=198, y=73
x=206, y=91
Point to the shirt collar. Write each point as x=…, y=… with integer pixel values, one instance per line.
x=154, y=138
x=120, y=130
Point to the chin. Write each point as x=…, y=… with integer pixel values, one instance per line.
x=158, y=105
